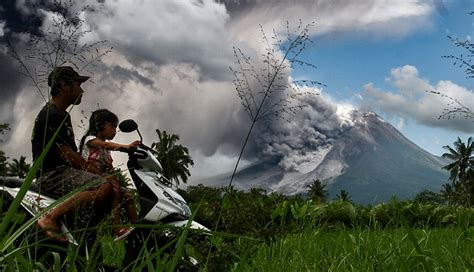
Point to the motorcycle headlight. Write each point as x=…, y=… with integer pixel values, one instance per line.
x=182, y=204
x=186, y=209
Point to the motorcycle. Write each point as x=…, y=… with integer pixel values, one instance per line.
x=160, y=205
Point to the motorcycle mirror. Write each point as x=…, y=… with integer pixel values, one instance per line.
x=128, y=125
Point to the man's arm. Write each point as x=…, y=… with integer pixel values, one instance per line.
x=75, y=160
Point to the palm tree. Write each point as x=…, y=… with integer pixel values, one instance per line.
x=344, y=196
x=449, y=194
x=18, y=168
x=317, y=191
x=462, y=166
x=3, y=158
x=174, y=158
x=3, y=164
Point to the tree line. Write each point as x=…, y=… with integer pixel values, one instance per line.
x=176, y=160
x=15, y=167
x=461, y=189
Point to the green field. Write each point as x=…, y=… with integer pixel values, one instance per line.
x=254, y=231
x=401, y=249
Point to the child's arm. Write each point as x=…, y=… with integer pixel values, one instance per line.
x=98, y=143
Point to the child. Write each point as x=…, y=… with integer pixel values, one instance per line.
x=95, y=147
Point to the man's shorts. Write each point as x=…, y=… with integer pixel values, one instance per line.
x=65, y=179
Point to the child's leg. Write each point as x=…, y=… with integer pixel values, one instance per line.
x=130, y=206
x=115, y=207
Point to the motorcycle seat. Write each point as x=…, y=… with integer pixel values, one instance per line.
x=14, y=182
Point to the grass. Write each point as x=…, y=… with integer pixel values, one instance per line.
x=311, y=249
x=337, y=236
x=401, y=249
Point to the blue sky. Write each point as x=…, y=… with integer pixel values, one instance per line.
x=347, y=61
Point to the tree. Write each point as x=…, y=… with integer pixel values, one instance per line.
x=3, y=164
x=448, y=193
x=344, y=196
x=3, y=158
x=18, y=168
x=429, y=197
x=174, y=158
x=462, y=167
x=317, y=191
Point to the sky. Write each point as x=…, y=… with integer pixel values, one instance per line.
x=169, y=70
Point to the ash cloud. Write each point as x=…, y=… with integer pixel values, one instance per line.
x=19, y=21
x=11, y=82
x=126, y=75
x=307, y=136
x=18, y=18
x=166, y=32
x=169, y=69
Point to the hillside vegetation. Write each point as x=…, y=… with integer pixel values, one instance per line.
x=273, y=232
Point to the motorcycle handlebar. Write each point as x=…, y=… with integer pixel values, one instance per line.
x=142, y=146
x=133, y=151
x=125, y=150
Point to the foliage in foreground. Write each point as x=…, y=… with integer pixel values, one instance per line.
x=403, y=249
x=254, y=229
x=266, y=217
x=257, y=214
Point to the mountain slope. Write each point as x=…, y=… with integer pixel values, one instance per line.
x=371, y=160
x=386, y=164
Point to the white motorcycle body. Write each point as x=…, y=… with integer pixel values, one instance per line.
x=159, y=201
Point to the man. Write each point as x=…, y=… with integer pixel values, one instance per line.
x=63, y=169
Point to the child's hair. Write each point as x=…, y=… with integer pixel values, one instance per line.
x=97, y=122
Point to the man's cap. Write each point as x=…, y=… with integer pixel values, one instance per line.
x=64, y=73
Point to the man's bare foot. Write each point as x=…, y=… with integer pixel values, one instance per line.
x=51, y=229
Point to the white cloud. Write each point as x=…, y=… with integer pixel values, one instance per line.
x=2, y=27
x=401, y=124
x=408, y=82
x=414, y=99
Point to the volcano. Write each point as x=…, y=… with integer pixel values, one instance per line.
x=371, y=160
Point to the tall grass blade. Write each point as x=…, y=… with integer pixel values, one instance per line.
x=57, y=262
x=180, y=246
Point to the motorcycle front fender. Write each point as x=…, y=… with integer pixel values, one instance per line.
x=194, y=225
